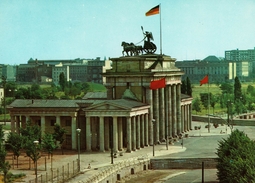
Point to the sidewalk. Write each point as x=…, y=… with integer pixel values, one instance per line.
x=98, y=160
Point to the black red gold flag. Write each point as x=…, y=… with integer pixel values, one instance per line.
x=153, y=11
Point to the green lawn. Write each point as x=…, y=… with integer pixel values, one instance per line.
x=214, y=89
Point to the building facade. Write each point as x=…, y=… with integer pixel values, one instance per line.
x=81, y=70
x=129, y=117
x=218, y=69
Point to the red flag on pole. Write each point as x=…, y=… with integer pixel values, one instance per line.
x=204, y=80
x=156, y=84
x=153, y=11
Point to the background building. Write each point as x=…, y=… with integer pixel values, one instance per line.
x=219, y=69
x=83, y=70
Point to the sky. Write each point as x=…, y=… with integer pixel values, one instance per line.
x=70, y=29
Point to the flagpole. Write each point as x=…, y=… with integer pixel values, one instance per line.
x=160, y=29
x=208, y=107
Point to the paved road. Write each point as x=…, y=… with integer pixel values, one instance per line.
x=192, y=176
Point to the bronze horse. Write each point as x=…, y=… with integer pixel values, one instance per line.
x=131, y=49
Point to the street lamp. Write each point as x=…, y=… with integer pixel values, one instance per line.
x=153, y=146
x=78, y=130
x=36, y=142
x=111, y=140
x=4, y=84
x=229, y=104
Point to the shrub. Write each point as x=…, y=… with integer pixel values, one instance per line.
x=236, y=159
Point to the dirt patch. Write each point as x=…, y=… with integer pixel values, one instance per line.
x=25, y=163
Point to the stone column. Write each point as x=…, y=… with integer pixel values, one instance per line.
x=133, y=121
x=182, y=118
x=107, y=134
x=156, y=115
x=190, y=117
x=185, y=117
x=115, y=134
x=28, y=119
x=187, y=120
x=178, y=107
x=74, y=133
x=169, y=113
x=58, y=120
x=142, y=130
x=138, y=133
x=120, y=134
x=101, y=133
x=149, y=100
x=43, y=125
x=173, y=94
x=12, y=124
x=88, y=134
x=129, y=142
x=18, y=124
x=94, y=134
x=161, y=115
x=146, y=129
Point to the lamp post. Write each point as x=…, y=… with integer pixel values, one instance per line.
x=78, y=130
x=229, y=106
x=4, y=84
x=111, y=140
x=153, y=144
x=36, y=142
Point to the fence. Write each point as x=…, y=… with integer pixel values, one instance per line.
x=58, y=175
x=121, y=169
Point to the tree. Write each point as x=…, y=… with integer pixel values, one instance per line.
x=250, y=89
x=186, y=87
x=204, y=99
x=196, y=105
x=58, y=135
x=183, y=87
x=49, y=144
x=62, y=81
x=11, y=88
x=237, y=89
x=4, y=165
x=226, y=88
x=31, y=134
x=236, y=163
x=85, y=87
x=189, y=88
x=36, y=92
x=14, y=143
x=213, y=101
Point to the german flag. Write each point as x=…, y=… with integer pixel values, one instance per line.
x=153, y=11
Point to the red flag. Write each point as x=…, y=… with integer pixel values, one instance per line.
x=204, y=80
x=156, y=84
x=153, y=11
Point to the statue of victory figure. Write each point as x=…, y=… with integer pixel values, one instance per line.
x=132, y=49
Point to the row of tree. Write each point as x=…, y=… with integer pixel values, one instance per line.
x=31, y=142
x=231, y=97
x=71, y=90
